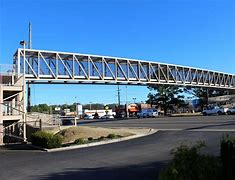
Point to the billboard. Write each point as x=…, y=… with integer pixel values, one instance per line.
x=133, y=108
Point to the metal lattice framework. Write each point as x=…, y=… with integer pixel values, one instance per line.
x=40, y=66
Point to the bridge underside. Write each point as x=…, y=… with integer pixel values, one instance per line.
x=41, y=66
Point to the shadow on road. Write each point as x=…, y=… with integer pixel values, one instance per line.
x=137, y=172
x=18, y=147
x=100, y=120
x=214, y=125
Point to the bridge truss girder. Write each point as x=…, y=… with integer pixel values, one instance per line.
x=40, y=66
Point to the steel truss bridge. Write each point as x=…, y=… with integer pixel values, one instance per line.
x=41, y=66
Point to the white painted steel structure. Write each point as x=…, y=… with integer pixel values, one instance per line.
x=42, y=66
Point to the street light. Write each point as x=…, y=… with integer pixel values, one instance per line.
x=23, y=43
x=134, y=99
x=76, y=106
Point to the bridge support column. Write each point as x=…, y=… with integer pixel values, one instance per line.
x=24, y=111
x=1, y=116
x=29, y=98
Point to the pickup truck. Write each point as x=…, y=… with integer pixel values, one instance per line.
x=214, y=110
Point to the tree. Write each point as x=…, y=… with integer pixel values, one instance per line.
x=166, y=96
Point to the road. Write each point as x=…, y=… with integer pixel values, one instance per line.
x=134, y=159
x=200, y=123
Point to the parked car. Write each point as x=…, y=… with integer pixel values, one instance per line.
x=231, y=110
x=214, y=110
x=107, y=117
x=151, y=112
x=88, y=117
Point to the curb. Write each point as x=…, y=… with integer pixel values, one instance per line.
x=151, y=131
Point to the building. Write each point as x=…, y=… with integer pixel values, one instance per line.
x=12, y=106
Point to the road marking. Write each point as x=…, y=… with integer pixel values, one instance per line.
x=170, y=129
x=203, y=130
x=215, y=130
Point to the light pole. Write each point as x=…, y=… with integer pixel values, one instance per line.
x=90, y=105
x=23, y=43
x=127, y=113
x=134, y=99
x=76, y=106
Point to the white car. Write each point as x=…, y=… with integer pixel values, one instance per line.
x=151, y=112
x=107, y=117
x=214, y=110
x=231, y=110
x=88, y=117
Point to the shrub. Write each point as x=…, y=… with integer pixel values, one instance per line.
x=112, y=136
x=101, y=138
x=227, y=153
x=80, y=141
x=46, y=140
x=188, y=163
x=90, y=139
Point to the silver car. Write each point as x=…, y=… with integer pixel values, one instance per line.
x=231, y=110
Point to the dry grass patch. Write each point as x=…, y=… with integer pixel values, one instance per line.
x=72, y=133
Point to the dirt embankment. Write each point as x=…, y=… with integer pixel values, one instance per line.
x=72, y=133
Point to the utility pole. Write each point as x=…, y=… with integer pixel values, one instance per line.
x=127, y=112
x=119, y=101
x=207, y=96
x=29, y=87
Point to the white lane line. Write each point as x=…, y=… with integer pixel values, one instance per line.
x=167, y=129
x=216, y=130
x=204, y=130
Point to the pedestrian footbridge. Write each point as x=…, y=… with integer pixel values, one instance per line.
x=42, y=66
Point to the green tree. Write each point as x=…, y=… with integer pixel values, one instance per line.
x=43, y=108
x=166, y=96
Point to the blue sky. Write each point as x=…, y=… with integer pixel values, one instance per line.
x=198, y=33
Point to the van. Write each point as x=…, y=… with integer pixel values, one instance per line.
x=151, y=112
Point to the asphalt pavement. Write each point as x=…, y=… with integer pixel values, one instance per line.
x=223, y=122
x=140, y=158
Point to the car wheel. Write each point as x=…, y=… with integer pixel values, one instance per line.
x=220, y=113
x=204, y=113
x=229, y=113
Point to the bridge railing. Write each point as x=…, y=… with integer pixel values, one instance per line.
x=9, y=108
